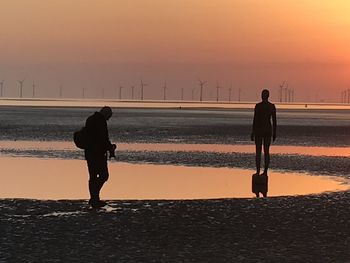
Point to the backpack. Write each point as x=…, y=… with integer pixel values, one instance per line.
x=81, y=138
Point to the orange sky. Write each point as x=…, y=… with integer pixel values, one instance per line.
x=251, y=44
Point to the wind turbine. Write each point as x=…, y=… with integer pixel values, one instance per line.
x=289, y=93
x=83, y=93
x=33, y=94
x=193, y=94
x=239, y=94
x=217, y=91
x=142, y=85
x=21, y=87
x=132, y=92
x=120, y=92
x=229, y=93
x=60, y=91
x=280, y=93
x=343, y=96
x=164, y=91
x=182, y=93
x=2, y=87
x=286, y=93
x=346, y=96
x=201, y=84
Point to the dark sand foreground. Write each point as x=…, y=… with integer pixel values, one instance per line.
x=312, y=228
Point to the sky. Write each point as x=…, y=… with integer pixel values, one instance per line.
x=96, y=47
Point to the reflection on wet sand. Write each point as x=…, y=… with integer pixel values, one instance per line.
x=67, y=179
x=220, y=148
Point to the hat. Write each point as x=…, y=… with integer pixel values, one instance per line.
x=106, y=111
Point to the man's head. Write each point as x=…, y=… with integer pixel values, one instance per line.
x=106, y=112
x=265, y=95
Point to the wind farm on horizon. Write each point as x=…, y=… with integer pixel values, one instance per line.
x=203, y=92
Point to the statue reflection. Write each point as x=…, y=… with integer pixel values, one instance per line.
x=260, y=184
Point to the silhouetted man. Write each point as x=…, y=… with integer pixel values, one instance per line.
x=96, y=153
x=262, y=129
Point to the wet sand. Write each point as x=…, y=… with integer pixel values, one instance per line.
x=328, y=128
x=314, y=228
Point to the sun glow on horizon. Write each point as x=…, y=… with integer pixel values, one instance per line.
x=304, y=41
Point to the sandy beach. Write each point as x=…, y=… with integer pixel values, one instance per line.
x=312, y=228
x=303, y=228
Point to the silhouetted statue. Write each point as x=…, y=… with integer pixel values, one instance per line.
x=98, y=145
x=263, y=131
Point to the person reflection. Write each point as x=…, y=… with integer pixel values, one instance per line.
x=260, y=184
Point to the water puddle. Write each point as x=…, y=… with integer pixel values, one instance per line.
x=67, y=179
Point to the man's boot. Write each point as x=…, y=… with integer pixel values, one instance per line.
x=94, y=197
x=94, y=188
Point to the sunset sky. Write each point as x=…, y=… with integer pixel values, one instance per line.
x=249, y=44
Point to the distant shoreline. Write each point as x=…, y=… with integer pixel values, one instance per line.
x=91, y=103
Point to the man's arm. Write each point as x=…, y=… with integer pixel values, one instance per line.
x=274, y=123
x=107, y=142
x=111, y=147
x=252, y=135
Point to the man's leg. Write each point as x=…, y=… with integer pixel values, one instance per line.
x=258, y=146
x=103, y=177
x=103, y=174
x=267, y=143
x=93, y=181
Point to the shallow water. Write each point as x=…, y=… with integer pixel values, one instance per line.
x=67, y=179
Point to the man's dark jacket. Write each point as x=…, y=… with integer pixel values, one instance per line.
x=97, y=131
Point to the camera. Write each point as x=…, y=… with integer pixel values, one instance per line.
x=112, y=151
